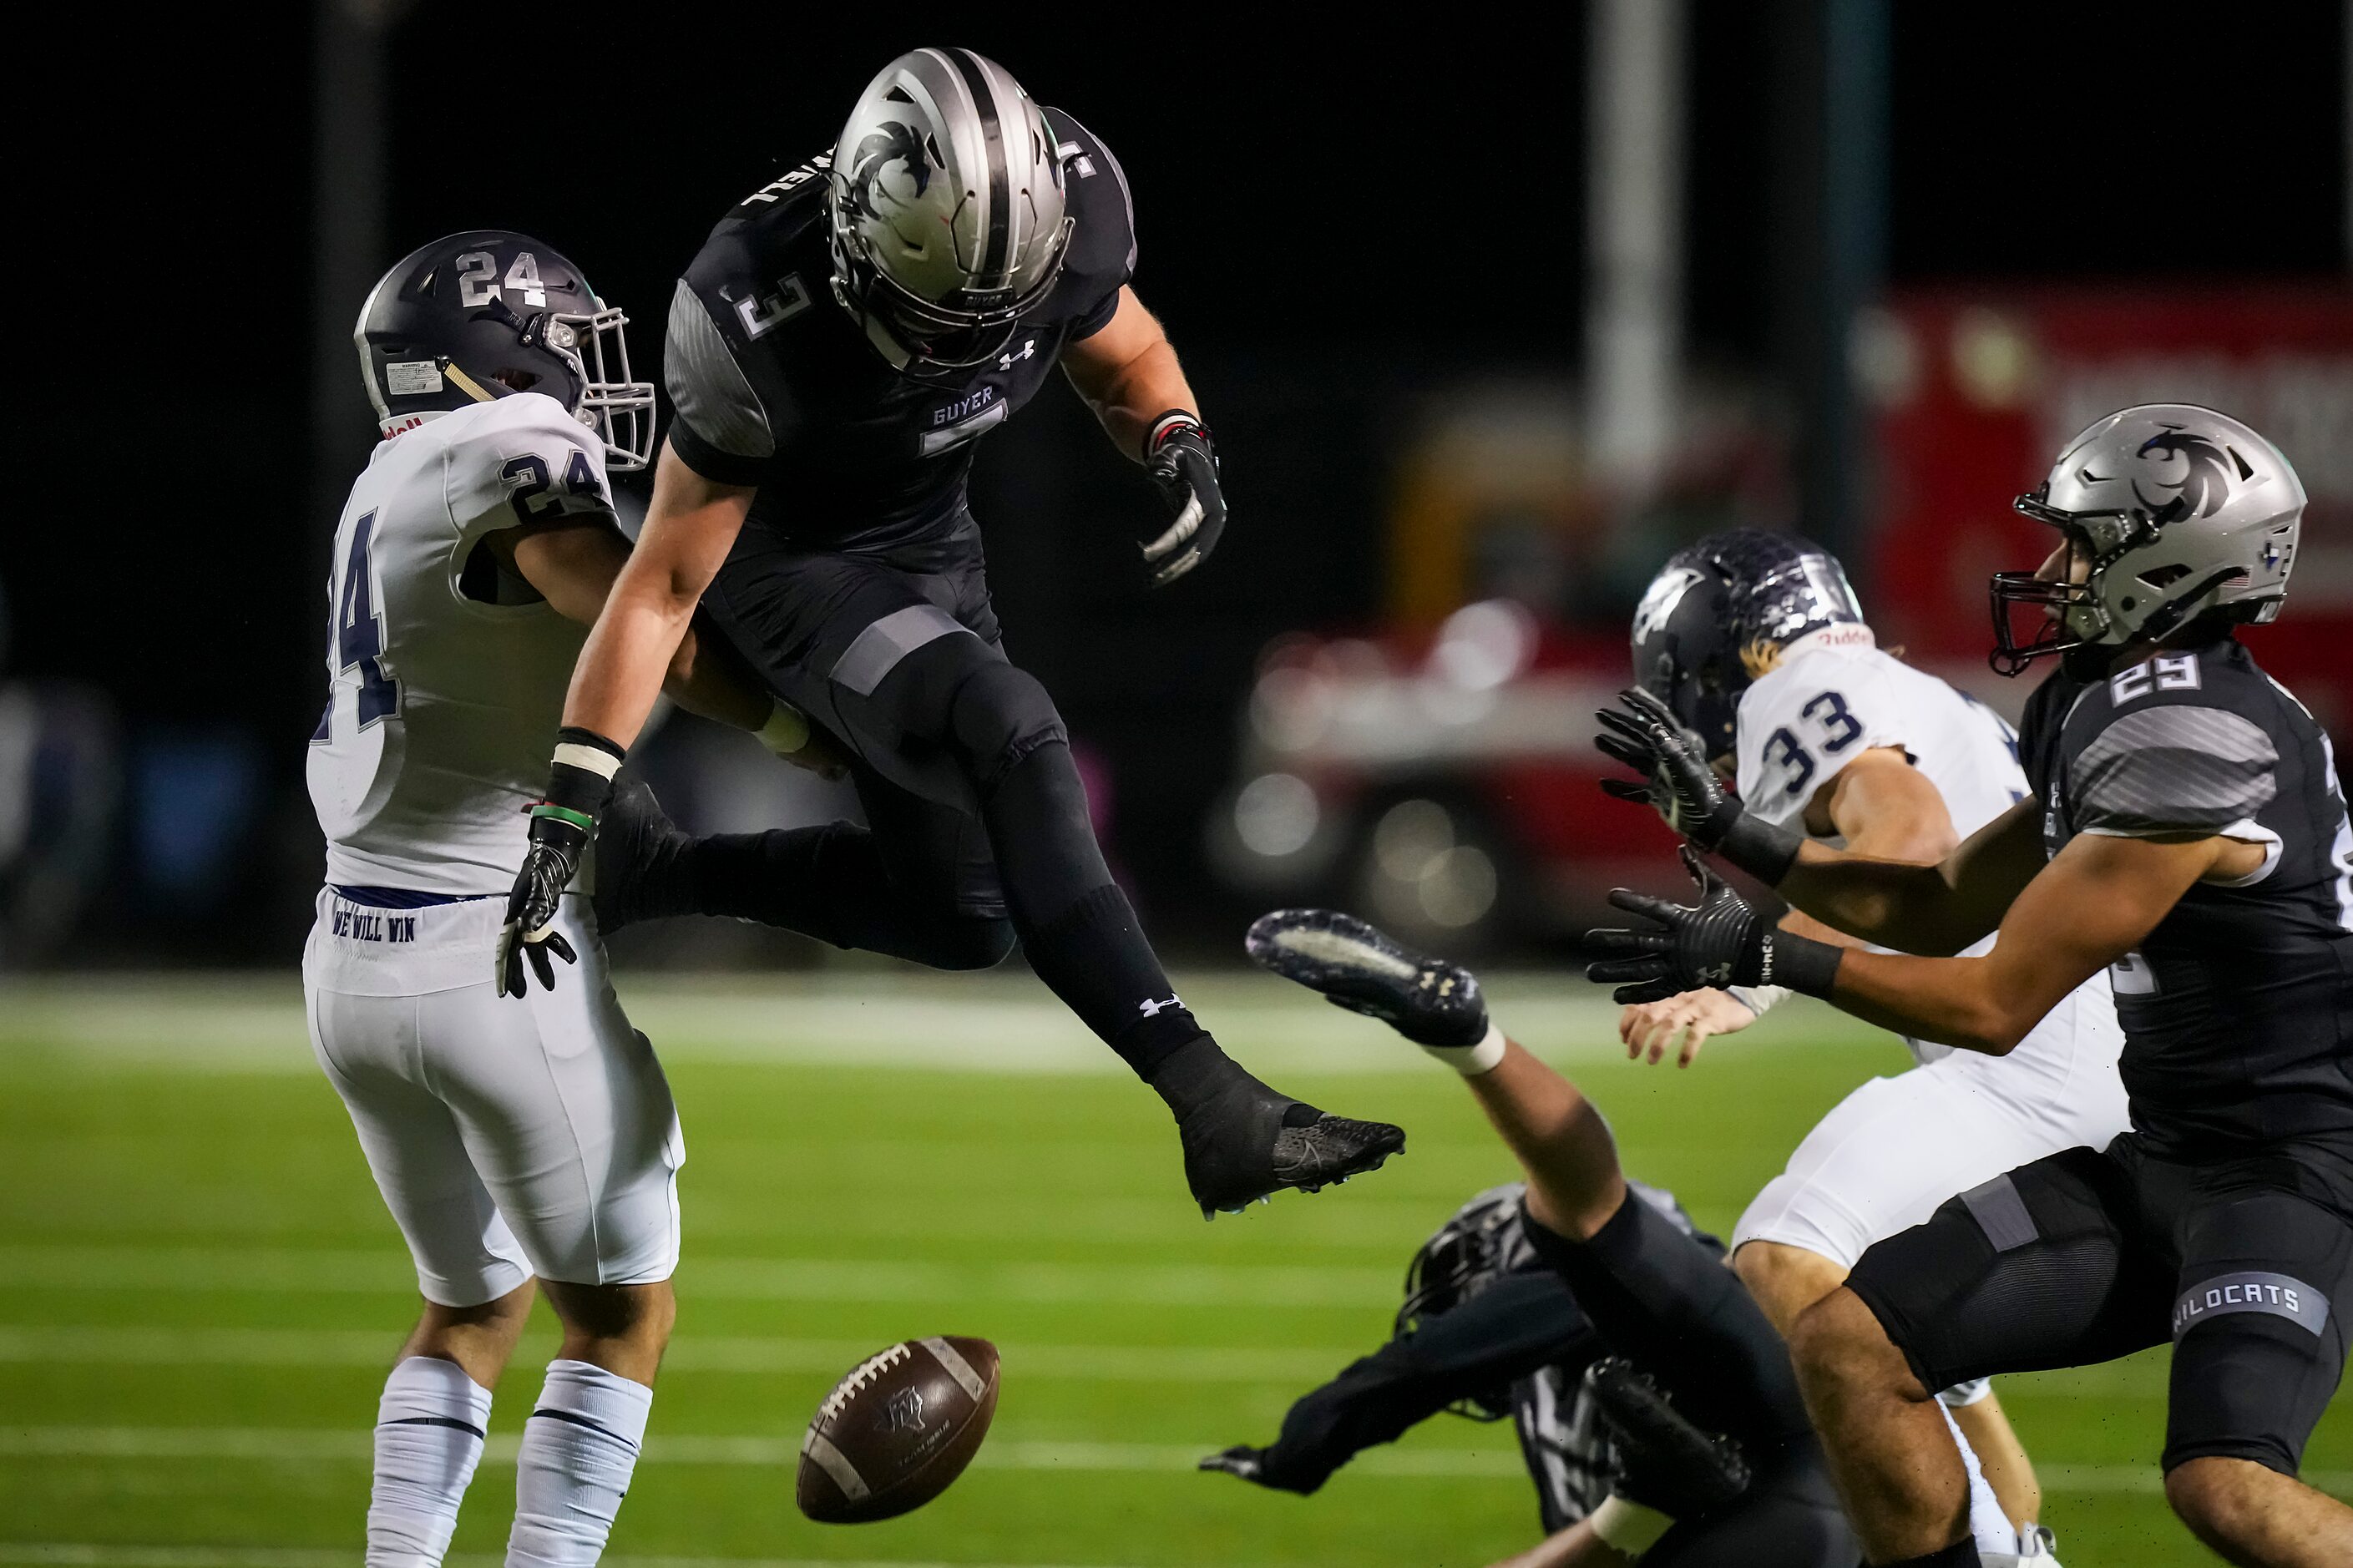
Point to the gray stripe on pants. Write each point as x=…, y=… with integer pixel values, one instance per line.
x=879, y=648
x=2001, y=1214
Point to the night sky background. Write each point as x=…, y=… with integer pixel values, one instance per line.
x=1330, y=217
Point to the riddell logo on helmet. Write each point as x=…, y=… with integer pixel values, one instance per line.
x=2204, y=484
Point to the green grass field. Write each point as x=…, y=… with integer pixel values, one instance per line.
x=203, y=1290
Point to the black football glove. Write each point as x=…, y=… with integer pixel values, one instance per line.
x=1184, y=467
x=1678, y=783
x=1719, y=942
x=1260, y=1467
x=561, y=828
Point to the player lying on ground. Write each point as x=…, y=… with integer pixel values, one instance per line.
x=1487, y=1331
x=845, y=335
x=1754, y=643
x=1660, y=1298
x=510, y=1141
x=2189, y=835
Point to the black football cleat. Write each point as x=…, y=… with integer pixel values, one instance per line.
x=635, y=840
x=1244, y=1141
x=1663, y=1461
x=1427, y=1000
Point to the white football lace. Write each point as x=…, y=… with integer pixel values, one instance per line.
x=866, y=1373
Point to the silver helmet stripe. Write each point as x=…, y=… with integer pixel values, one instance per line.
x=995, y=258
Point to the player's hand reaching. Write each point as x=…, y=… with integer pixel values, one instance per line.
x=1720, y=940
x=556, y=844
x=1682, y=1022
x=579, y=783
x=1260, y=1468
x=1184, y=467
x=1678, y=782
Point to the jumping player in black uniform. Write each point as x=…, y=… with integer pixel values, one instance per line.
x=2188, y=833
x=843, y=337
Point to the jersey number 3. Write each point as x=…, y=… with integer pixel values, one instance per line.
x=359, y=633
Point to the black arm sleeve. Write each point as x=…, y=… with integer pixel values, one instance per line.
x=1520, y=1324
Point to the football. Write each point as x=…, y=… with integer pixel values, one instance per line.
x=897, y=1430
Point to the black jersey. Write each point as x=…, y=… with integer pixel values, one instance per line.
x=2237, y=1007
x=776, y=385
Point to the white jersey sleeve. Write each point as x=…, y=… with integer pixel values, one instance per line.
x=1802, y=722
x=526, y=461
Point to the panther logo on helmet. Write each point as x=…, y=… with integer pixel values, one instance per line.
x=894, y=142
x=2201, y=489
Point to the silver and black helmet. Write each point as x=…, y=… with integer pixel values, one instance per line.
x=947, y=208
x=2175, y=511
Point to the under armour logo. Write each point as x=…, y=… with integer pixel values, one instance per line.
x=1029, y=351
x=1154, y=1009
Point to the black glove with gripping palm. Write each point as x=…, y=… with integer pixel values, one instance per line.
x=1719, y=942
x=1679, y=783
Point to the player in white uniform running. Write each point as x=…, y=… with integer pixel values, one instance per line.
x=511, y=1140
x=1756, y=643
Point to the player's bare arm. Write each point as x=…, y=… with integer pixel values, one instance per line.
x=573, y=566
x=2091, y=905
x=1128, y=374
x=1885, y=809
x=637, y=637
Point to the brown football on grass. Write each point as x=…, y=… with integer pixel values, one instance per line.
x=898, y=1430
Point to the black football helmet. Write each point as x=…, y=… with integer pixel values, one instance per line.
x=486, y=313
x=1718, y=613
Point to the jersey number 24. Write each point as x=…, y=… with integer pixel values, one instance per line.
x=359, y=635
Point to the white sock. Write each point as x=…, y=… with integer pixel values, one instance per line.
x=1995, y=1532
x=578, y=1450
x=428, y=1437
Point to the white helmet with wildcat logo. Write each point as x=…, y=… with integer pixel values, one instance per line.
x=946, y=210
x=2180, y=509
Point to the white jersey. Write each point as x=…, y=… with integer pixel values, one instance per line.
x=1889, y=1153
x=443, y=709
x=1834, y=696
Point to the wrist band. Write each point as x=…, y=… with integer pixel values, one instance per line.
x=1472, y=1060
x=1800, y=963
x=1628, y=1527
x=1763, y=849
x=571, y=754
x=1760, y=999
x=1168, y=425
x=579, y=819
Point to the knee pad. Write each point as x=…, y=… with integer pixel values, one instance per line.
x=998, y=716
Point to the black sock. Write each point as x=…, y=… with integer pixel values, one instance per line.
x=1196, y=1072
x=1961, y=1553
x=1079, y=930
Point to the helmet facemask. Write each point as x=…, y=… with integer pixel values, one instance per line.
x=928, y=340
x=620, y=410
